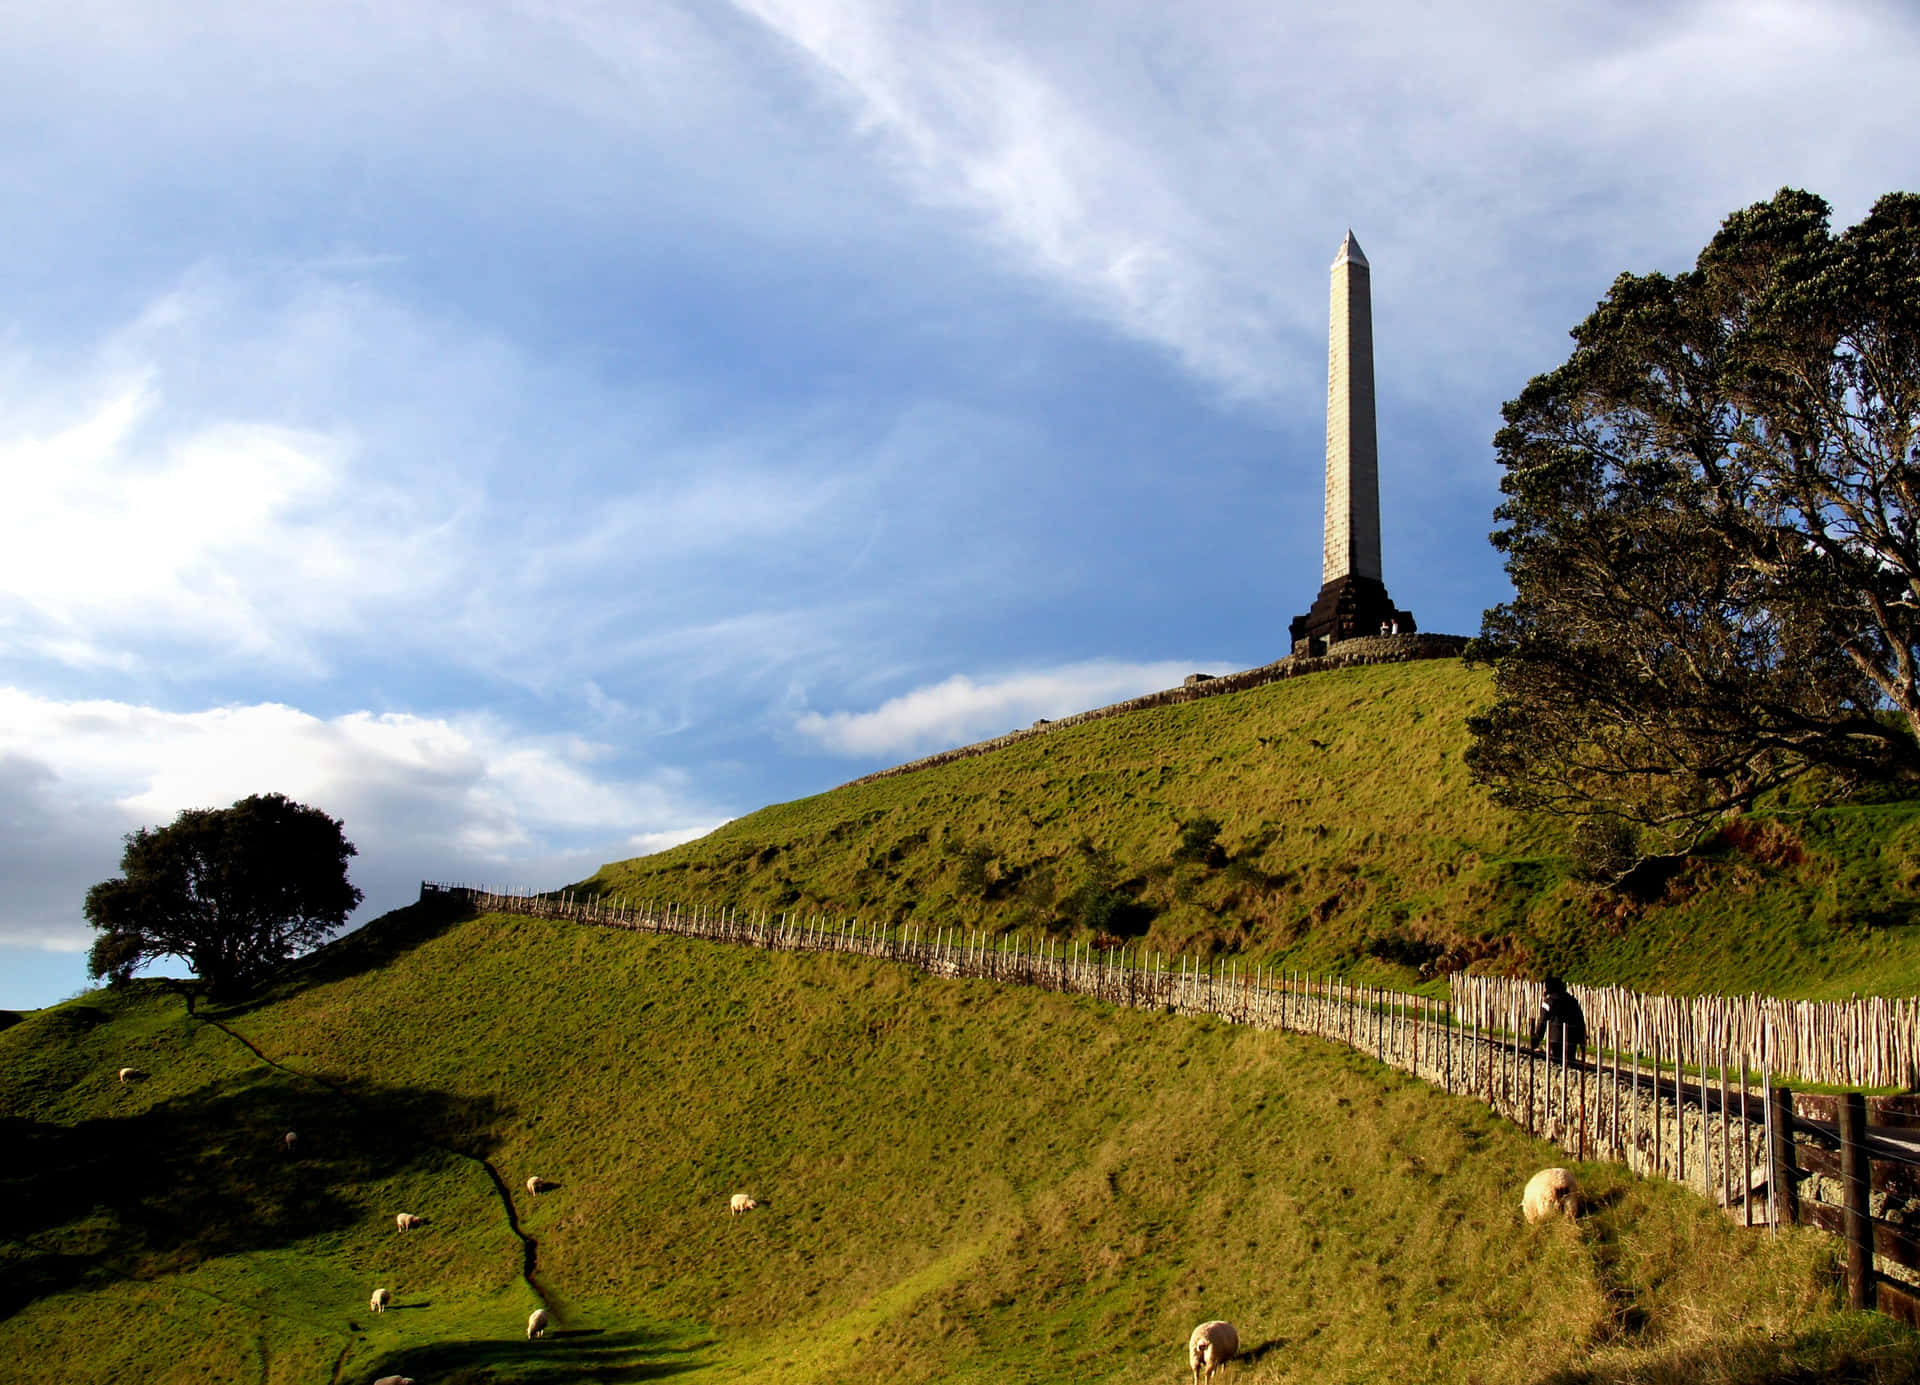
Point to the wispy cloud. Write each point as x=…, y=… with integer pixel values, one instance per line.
x=978, y=123
x=213, y=532
x=235, y=482
x=1180, y=172
x=961, y=709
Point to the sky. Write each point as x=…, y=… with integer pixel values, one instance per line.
x=535, y=433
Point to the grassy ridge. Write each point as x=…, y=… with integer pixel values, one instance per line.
x=1351, y=839
x=961, y=1183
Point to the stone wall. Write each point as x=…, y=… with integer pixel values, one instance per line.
x=1374, y=649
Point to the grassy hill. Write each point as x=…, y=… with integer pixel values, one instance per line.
x=1351, y=838
x=960, y=1183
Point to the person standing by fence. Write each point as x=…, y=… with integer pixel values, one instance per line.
x=1561, y=1021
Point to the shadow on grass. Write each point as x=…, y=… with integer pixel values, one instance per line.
x=1254, y=1354
x=1759, y=1362
x=581, y=1354
x=204, y=1175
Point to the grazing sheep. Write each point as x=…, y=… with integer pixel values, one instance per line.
x=1550, y=1191
x=406, y=1221
x=535, y=1184
x=132, y=1075
x=381, y=1298
x=290, y=1142
x=1212, y=1345
x=739, y=1203
x=536, y=1323
x=394, y=1380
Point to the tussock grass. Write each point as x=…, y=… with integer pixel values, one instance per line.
x=1351, y=839
x=959, y=1182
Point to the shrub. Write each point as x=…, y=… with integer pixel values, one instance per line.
x=1200, y=841
x=1101, y=908
x=1404, y=949
x=972, y=877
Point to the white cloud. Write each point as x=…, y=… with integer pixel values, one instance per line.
x=237, y=482
x=422, y=797
x=213, y=530
x=960, y=710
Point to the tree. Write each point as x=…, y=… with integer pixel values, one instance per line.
x=234, y=892
x=1710, y=521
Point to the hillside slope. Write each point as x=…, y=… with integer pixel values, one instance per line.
x=960, y=1183
x=1351, y=838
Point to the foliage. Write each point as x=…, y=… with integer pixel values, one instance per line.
x=972, y=876
x=1712, y=523
x=1200, y=841
x=1603, y=849
x=1103, y=910
x=1405, y=949
x=959, y=1182
x=234, y=892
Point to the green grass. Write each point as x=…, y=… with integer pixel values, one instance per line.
x=961, y=1182
x=1352, y=840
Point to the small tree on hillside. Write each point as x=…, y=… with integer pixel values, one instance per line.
x=234, y=892
x=1712, y=523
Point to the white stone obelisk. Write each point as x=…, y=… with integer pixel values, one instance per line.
x=1353, y=599
x=1352, y=538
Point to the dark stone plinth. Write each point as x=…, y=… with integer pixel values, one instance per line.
x=1347, y=608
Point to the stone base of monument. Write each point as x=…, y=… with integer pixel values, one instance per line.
x=1349, y=607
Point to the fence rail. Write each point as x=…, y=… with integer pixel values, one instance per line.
x=1684, y=1090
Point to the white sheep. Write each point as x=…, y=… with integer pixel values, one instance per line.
x=132, y=1075
x=290, y=1142
x=535, y=1184
x=406, y=1221
x=1212, y=1345
x=739, y=1203
x=1550, y=1191
x=394, y=1380
x=536, y=1323
x=381, y=1298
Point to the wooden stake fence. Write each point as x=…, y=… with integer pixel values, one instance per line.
x=1658, y=1094
x=1868, y=1041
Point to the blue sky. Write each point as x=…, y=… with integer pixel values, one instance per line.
x=535, y=433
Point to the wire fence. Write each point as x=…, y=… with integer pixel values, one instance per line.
x=1683, y=1089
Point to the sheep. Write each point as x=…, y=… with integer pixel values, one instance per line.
x=535, y=1184
x=1550, y=1191
x=394, y=1380
x=290, y=1142
x=132, y=1075
x=406, y=1221
x=536, y=1323
x=739, y=1203
x=381, y=1298
x=1212, y=1345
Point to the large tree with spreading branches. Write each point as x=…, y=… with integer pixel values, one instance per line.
x=1712, y=524
x=234, y=892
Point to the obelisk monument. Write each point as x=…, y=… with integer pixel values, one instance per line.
x=1353, y=598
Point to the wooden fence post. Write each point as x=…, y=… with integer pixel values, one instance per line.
x=1784, y=1175
x=1857, y=1178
